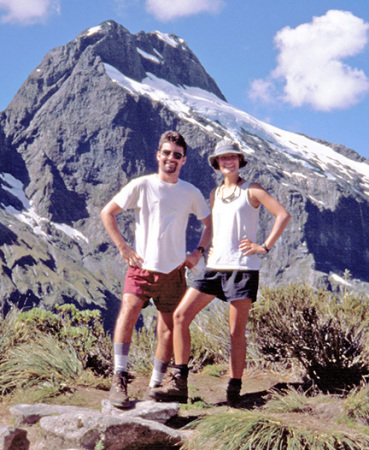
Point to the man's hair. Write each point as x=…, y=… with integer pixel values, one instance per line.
x=173, y=136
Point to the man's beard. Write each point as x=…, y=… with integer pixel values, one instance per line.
x=170, y=168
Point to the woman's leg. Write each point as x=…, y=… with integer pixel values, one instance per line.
x=176, y=389
x=191, y=304
x=238, y=317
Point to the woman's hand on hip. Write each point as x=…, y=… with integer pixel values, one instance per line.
x=248, y=247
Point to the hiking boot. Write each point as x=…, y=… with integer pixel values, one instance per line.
x=174, y=390
x=233, y=395
x=118, y=395
x=148, y=394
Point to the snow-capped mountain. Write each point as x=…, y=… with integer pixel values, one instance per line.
x=89, y=118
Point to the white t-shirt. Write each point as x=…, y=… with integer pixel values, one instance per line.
x=161, y=217
x=232, y=222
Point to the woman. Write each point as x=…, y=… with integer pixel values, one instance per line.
x=232, y=272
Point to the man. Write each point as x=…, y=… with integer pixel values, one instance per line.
x=162, y=203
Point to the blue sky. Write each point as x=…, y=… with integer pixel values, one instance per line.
x=300, y=65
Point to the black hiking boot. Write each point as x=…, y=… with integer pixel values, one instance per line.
x=233, y=395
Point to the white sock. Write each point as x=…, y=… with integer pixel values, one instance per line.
x=160, y=367
x=121, y=357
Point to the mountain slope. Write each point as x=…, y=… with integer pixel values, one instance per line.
x=89, y=118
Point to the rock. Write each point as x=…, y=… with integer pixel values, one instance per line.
x=85, y=429
x=13, y=439
x=72, y=426
x=25, y=414
x=159, y=412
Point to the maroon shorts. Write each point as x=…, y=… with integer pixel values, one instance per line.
x=166, y=289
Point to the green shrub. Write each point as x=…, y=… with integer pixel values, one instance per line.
x=322, y=334
x=83, y=329
x=38, y=320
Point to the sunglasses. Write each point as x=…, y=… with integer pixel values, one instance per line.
x=176, y=155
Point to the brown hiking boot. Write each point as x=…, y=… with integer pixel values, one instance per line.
x=118, y=395
x=174, y=390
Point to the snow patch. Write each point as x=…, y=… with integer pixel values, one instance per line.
x=29, y=215
x=339, y=279
x=299, y=175
x=168, y=39
x=158, y=53
x=315, y=200
x=69, y=231
x=148, y=56
x=93, y=30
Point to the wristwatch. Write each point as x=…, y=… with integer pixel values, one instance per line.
x=265, y=247
x=201, y=249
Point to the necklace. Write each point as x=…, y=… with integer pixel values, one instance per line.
x=232, y=196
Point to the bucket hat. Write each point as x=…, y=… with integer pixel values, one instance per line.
x=224, y=147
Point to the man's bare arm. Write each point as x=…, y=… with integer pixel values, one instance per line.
x=109, y=220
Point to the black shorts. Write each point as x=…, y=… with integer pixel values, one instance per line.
x=229, y=285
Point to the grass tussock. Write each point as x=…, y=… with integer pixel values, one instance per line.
x=45, y=361
x=44, y=354
x=255, y=431
x=287, y=401
x=356, y=404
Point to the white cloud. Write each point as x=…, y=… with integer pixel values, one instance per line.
x=310, y=64
x=28, y=11
x=261, y=90
x=166, y=10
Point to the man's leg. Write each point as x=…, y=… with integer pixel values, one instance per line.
x=164, y=349
x=170, y=289
x=176, y=390
x=238, y=317
x=127, y=318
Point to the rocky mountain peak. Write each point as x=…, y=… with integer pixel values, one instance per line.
x=166, y=56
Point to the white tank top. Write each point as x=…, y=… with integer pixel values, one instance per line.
x=232, y=222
